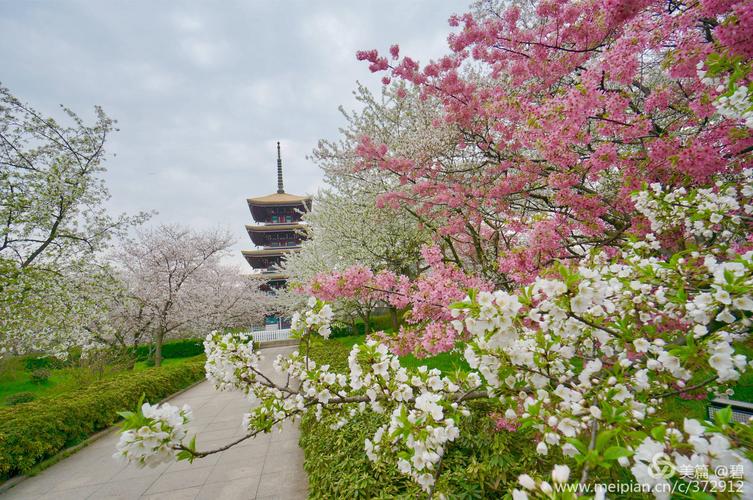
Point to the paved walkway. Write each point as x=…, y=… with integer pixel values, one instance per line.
x=268, y=466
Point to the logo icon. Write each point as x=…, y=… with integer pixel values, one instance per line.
x=661, y=466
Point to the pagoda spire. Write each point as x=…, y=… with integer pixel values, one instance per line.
x=280, y=190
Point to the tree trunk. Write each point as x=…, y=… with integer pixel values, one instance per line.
x=158, y=348
x=393, y=318
x=367, y=323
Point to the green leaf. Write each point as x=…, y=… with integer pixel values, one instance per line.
x=723, y=417
x=603, y=439
x=729, y=276
x=658, y=433
x=615, y=452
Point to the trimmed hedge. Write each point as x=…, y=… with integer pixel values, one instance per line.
x=481, y=463
x=184, y=348
x=34, y=431
x=20, y=397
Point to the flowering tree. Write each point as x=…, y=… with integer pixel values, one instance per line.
x=53, y=225
x=51, y=311
x=411, y=126
x=609, y=171
x=346, y=229
x=568, y=108
x=176, y=283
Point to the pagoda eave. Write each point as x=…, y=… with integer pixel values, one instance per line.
x=271, y=228
x=268, y=252
x=279, y=199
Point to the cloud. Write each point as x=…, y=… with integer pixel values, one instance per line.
x=206, y=54
x=187, y=22
x=203, y=90
x=334, y=34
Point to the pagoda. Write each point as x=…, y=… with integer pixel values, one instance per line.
x=278, y=230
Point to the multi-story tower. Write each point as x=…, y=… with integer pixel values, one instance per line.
x=278, y=230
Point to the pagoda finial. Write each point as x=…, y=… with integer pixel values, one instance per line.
x=279, y=170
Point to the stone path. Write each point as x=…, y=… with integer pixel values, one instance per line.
x=268, y=466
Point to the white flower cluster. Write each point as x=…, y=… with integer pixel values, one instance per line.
x=231, y=360
x=161, y=429
x=692, y=455
x=560, y=348
x=704, y=213
x=536, y=349
x=735, y=105
x=427, y=430
x=273, y=410
x=560, y=475
x=423, y=421
x=318, y=318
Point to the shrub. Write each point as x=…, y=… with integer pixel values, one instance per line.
x=341, y=330
x=31, y=432
x=377, y=322
x=50, y=363
x=380, y=322
x=40, y=375
x=183, y=348
x=20, y=397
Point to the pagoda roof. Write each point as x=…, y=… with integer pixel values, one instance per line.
x=268, y=251
x=278, y=199
x=270, y=228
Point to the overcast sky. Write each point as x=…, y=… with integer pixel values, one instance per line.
x=203, y=90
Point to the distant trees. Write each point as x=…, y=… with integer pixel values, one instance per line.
x=176, y=283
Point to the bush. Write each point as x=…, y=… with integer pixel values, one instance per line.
x=34, y=431
x=381, y=322
x=183, y=348
x=40, y=375
x=49, y=363
x=481, y=463
x=378, y=322
x=20, y=397
x=340, y=330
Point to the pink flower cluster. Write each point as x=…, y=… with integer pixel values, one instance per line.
x=502, y=423
x=429, y=329
x=569, y=127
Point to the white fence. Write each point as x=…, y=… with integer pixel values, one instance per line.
x=269, y=335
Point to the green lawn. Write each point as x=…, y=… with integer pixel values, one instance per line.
x=14, y=378
x=141, y=365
